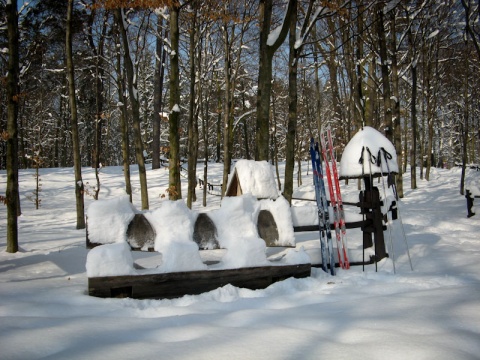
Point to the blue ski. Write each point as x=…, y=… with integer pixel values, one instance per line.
x=326, y=243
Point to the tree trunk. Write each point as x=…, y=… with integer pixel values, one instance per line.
x=333, y=74
x=468, y=26
x=382, y=42
x=464, y=128
x=192, y=123
x=267, y=50
x=74, y=121
x=318, y=93
x=218, y=146
x=359, y=97
x=292, y=106
x=133, y=94
x=12, y=198
x=371, y=104
x=99, y=71
x=413, y=156
x=397, y=127
x=124, y=128
x=432, y=105
x=99, y=118
x=174, y=184
x=204, y=103
x=228, y=110
x=158, y=93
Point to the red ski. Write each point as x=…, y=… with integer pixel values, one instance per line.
x=335, y=200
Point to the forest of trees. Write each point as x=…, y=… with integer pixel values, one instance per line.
x=218, y=80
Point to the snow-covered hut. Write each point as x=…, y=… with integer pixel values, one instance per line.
x=369, y=152
x=252, y=177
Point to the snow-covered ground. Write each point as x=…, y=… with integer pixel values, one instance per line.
x=432, y=312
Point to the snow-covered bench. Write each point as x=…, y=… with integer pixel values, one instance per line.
x=180, y=268
x=116, y=220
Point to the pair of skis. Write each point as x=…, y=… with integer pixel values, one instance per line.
x=326, y=242
x=335, y=200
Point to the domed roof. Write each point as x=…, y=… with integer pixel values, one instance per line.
x=368, y=153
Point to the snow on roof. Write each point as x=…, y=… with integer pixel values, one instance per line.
x=256, y=178
x=366, y=139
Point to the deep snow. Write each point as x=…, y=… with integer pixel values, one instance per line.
x=432, y=312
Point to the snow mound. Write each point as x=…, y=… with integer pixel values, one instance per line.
x=108, y=220
x=110, y=260
x=373, y=140
x=297, y=256
x=472, y=182
x=173, y=223
x=244, y=247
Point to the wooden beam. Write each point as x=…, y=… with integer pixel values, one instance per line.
x=177, y=284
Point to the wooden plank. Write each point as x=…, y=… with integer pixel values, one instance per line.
x=348, y=225
x=171, y=285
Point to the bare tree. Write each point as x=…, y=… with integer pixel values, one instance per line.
x=160, y=56
x=12, y=198
x=174, y=184
x=472, y=16
x=133, y=95
x=79, y=187
x=269, y=44
x=192, y=114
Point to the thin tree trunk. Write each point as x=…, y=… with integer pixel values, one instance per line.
x=228, y=110
x=397, y=127
x=99, y=71
x=468, y=28
x=99, y=118
x=79, y=189
x=175, y=189
x=245, y=130
x=124, y=128
x=360, y=100
x=413, y=156
x=267, y=51
x=370, y=107
x=464, y=127
x=333, y=74
x=292, y=107
x=382, y=42
x=192, y=128
x=204, y=103
x=12, y=198
x=133, y=94
x=318, y=93
x=432, y=104
x=158, y=93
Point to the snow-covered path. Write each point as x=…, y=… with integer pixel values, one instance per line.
x=430, y=313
